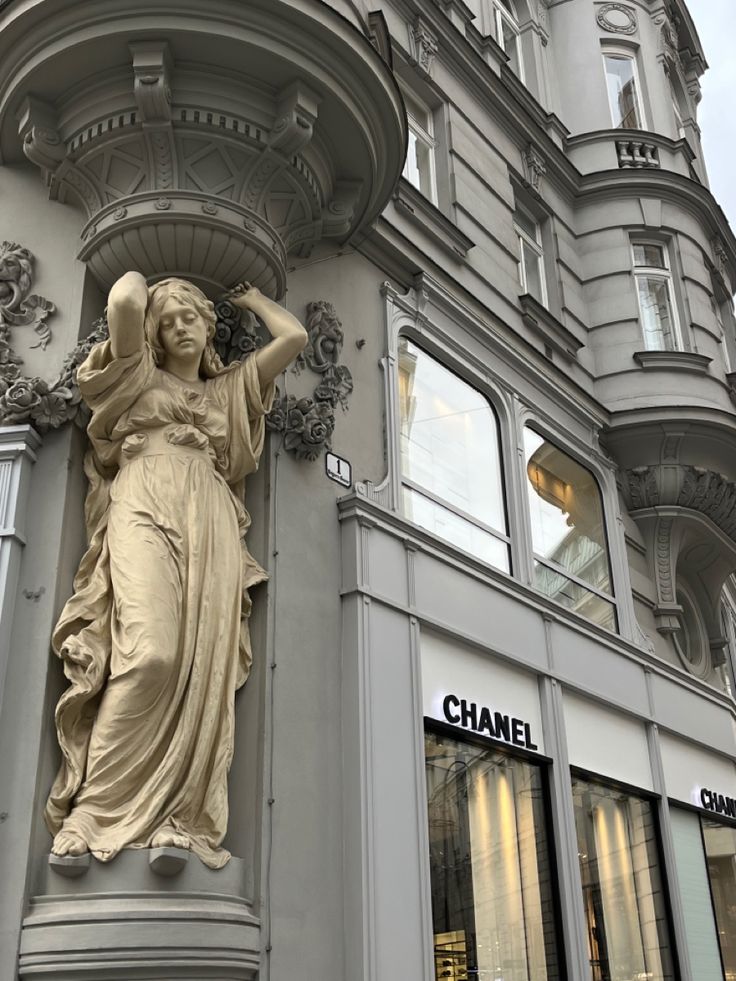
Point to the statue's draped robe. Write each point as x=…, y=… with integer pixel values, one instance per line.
x=155, y=638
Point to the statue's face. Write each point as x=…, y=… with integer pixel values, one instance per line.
x=182, y=331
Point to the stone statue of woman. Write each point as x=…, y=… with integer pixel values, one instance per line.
x=154, y=640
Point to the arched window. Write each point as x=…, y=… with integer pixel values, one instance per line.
x=571, y=563
x=506, y=28
x=450, y=458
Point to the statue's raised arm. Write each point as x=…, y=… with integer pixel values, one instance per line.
x=289, y=336
x=126, y=311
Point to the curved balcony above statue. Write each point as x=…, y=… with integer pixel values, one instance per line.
x=208, y=141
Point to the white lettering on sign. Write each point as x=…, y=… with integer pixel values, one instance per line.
x=338, y=469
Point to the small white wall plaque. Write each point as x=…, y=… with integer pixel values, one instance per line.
x=338, y=469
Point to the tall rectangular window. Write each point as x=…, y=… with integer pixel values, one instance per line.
x=419, y=168
x=654, y=290
x=450, y=458
x=491, y=872
x=623, y=896
x=531, y=255
x=571, y=563
x=623, y=91
x=507, y=34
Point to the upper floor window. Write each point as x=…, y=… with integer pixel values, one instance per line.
x=654, y=290
x=531, y=255
x=571, y=563
x=624, y=91
x=419, y=168
x=450, y=458
x=507, y=34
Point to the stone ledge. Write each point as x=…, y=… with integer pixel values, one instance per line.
x=411, y=202
x=673, y=361
x=123, y=922
x=547, y=327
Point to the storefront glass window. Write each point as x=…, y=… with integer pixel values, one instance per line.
x=492, y=906
x=720, y=851
x=625, y=912
x=568, y=532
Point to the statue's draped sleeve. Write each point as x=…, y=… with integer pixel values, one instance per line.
x=82, y=636
x=239, y=392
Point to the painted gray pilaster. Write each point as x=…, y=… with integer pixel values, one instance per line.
x=18, y=446
x=668, y=854
x=565, y=841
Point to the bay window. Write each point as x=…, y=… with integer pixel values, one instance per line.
x=624, y=92
x=654, y=291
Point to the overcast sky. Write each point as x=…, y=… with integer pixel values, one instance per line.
x=714, y=20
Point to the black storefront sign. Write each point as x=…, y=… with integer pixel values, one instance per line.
x=480, y=719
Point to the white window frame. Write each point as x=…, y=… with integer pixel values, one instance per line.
x=537, y=246
x=424, y=136
x=503, y=536
x=657, y=272
x=501, y=16
x=639, y=92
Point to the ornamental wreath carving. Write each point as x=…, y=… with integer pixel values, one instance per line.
x=23, y=399
x=617, y=19
x=307, y=423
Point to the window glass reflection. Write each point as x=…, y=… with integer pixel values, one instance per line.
x=491, y=879
x=720, y=851
x=450, y=459
x=622, y=92
x=626, y=918
x=568, y=531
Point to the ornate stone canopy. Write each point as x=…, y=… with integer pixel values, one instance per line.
x=207, y=141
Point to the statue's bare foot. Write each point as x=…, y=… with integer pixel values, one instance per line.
x=169, y=838
x=69, y=843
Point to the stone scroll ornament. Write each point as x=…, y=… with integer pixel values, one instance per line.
x=307, y=423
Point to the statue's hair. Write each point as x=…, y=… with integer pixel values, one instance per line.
x=186, y=293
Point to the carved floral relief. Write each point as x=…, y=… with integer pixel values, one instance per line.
x=307, y=423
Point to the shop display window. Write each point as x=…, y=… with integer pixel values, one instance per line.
x=571, y=563
x=720, y=852
x=493, y=908
x=450, y=458
x=623, y=891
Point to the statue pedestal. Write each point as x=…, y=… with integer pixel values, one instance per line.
x=125, y=922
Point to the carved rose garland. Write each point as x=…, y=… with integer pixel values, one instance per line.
x=307, y=423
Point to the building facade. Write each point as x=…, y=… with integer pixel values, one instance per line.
x=490, y=730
